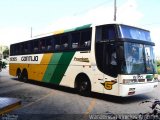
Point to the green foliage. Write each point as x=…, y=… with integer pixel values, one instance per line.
x=158, y=62
x=2, y=64
x=6, y=53
x=158, y=66
x=158, y=69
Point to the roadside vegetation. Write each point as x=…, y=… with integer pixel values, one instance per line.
x=2, y=65
x=158, y=69
x=158, y=66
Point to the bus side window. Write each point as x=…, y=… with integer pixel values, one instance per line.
x=17, y=49
x=30, y=47
x=25, y=47
x=88, y=43
x=35, y=45
x=85, y=39
x=57, y=43
x=11, y=50
x=75, y=38
x=108, y=33
x=42, y=45
x=64, y=41
x=49, y=44
x=21, y=48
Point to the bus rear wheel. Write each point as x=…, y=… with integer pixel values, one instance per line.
x=19, y=74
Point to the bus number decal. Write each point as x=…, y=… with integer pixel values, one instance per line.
x=13, y=58
x=138, y=77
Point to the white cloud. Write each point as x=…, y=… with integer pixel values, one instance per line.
x=126, y=13
x=102, y=14
x=13, y=34
x=156, y=38
x=129, y=13
x=97, y=15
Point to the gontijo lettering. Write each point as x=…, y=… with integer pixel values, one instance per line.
x=29, y=58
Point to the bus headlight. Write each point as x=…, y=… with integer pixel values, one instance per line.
x=129, y=81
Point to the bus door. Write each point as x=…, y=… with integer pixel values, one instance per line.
x=106, y=57
x=110, y=68
x=106, y=63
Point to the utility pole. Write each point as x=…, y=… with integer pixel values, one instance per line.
x=115, y=10
x=31, y=32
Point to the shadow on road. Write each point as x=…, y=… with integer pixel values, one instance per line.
x=121, y=100
x=110, y=98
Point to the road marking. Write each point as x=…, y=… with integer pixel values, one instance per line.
x=5, y=111
x=90, y=107
x=29, y=104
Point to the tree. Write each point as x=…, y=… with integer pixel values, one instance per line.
x=158, y=62
x=6, y=53
x=0, y=65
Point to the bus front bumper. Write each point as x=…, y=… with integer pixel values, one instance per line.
x=135, y=89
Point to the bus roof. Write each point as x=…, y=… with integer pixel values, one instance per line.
x=83, y=27
x=77, y=28
x=63, y=31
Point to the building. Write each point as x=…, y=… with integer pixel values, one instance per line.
x=157, y=57
x=2, y=48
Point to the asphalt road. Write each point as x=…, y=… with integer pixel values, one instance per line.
x=43, y=101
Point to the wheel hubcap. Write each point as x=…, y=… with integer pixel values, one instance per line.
x=83, y=86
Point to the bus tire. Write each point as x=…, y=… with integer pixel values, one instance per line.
x=83, y=84
x=19, y=74
x=25, y=75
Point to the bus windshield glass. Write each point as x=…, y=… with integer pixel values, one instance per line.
x=139, y=59
x=134, y=33
x=149, y=58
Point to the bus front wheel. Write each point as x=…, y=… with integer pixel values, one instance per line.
x=83, y=84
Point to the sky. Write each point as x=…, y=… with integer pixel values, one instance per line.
x=43, y=16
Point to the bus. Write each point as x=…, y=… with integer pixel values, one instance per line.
x=113, y=58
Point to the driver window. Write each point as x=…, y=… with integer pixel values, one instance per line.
x=113, y=61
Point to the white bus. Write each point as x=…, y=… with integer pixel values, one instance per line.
x=114, y=59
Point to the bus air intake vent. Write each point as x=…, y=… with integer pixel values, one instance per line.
x=141, y=80
x=148, y=80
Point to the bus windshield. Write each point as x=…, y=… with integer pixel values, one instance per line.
x=139, y=59
x=134, y=33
